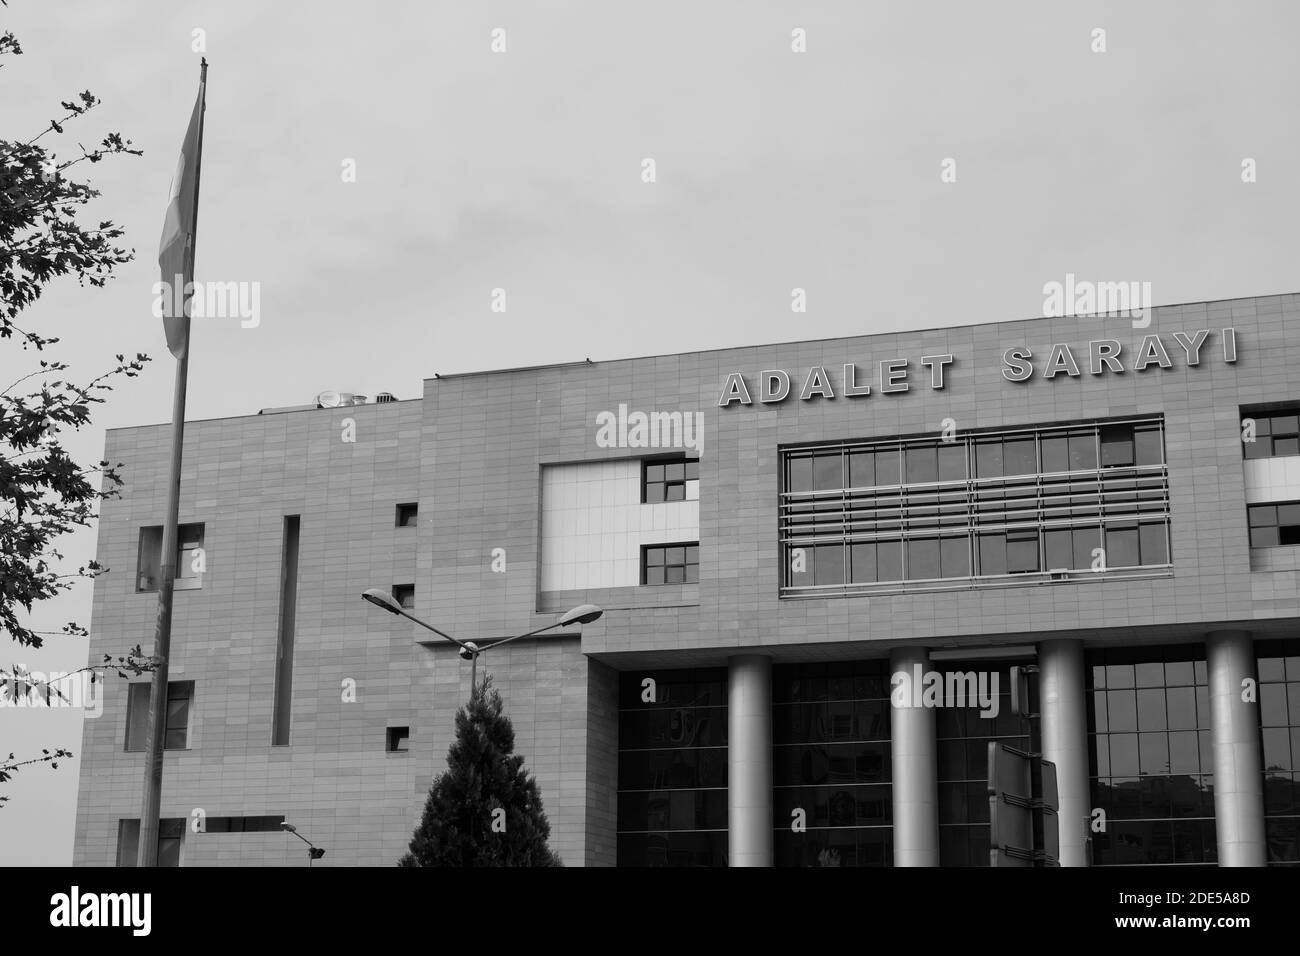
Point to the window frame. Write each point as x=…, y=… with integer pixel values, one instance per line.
x=686, y=564
x=139, y=698
x=1262, y=508
x=394, y=737
x=184, y=579
x=690, y=472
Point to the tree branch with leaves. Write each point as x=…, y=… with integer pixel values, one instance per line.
x=44, y=492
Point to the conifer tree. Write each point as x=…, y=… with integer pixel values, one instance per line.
x=485, y=808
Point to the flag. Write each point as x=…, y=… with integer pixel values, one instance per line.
x=176, y=250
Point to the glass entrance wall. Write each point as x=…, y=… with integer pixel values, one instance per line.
x=1279, y=715
x=963, y=743
x=831, y=764
x=1151, y=756
x=672, y=768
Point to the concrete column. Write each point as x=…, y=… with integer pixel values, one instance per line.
x=1238, y=762
x=1065, y=741
x=916, y=770
x=749, y=760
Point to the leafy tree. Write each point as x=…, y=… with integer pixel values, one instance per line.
x=44, y=493
x=463, y=823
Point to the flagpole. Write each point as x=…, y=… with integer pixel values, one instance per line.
x=157, y=726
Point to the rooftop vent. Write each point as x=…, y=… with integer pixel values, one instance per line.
x=385, y=397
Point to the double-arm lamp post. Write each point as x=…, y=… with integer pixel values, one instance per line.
x=469, y=651
x=313, y=851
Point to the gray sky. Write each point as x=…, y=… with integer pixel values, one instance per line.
x=522, y=171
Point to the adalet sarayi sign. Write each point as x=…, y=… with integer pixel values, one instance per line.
x=1019, y=364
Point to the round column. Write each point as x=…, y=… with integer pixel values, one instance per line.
x=1065, y=742
x=749, y=760
x=1238, y=761
x=915, y=768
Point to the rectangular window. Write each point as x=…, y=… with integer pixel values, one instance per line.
x=672, y=563
x=1027, y=501
x=171, y=833
x=1276, y=431
x=954, y=557
x=1056, y=453
x=189, y=558
x=284, y=645
x=952, y=461
x=889, y=470
x=829, y=564
x=1122, y=546
x=404, y=595
x=862, y=469
x=889, y=560
x=1019, y=457
x=993, y=554
x=1116, y=446
x=408, y=515
x=922, y=464
x=666, y=479
x=1274, y=525
x=922, y=559
x=399, y=740
x=863, y=563
x=828, y=471
x=1022, y=552
x=176, y=733
x=265, y=824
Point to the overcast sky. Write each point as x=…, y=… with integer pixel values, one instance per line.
x=522, y=171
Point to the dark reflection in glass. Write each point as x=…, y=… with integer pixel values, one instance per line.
x=1184, y=755
x=1158, y=801
x=1278, y=667
x=678, y=848
x=831, y=759
x=834, y=847
x=672, y=769
x=675, y=726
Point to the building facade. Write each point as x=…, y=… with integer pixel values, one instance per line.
x=818, y=563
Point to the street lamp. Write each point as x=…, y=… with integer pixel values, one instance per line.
x=469, y=651
x=313, y=851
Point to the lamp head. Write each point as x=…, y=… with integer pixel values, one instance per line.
x=582, y=614
x=381, y=598
x=469, y=651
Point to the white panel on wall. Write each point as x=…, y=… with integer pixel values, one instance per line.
x=594, y=524
x=1272, y=479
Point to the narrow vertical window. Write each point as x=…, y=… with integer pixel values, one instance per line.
x=284, y=650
